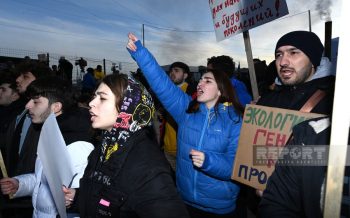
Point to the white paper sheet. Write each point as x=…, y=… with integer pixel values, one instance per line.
x=56, y=161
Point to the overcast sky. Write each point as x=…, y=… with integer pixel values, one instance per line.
x=180, y=30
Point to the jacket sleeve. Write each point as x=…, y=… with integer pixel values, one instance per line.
x=158, y=198
x=281, y=197
x=220, y=165
x=172, y=97
x=79, y=152
x=9, y=136
x=26, y=185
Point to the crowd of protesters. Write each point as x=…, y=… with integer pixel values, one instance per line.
x=157, y=144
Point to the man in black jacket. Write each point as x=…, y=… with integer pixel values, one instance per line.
x=53, y=95
x=301, y=72
x=11, y=105
x=299, y=191
x=21, y=141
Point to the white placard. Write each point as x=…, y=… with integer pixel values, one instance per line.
x=231, y=17
x=56, y=161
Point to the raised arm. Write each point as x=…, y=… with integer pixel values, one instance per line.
x=172, y=97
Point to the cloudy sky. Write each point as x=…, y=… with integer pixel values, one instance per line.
x=180, y=30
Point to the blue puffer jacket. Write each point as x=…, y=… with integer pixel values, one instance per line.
x=241, y=91
x=210, y=187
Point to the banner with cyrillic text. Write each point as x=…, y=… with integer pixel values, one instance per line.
x=231, y=17
x=264, y=133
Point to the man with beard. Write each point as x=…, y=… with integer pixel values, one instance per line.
x=53, y=95
x=21, y=141
x=11, y=105
x=178, y=73
x=304, y=77
x=301, y=73
x=299, y=191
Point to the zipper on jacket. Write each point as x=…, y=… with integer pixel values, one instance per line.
x=199, y=148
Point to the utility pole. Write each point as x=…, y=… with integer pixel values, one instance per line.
x=143, y=35
x=309, y=21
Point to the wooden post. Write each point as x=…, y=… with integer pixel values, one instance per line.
x=340, y=124
x=248, y=50
x=143, y=36
x=104, y=66
x=309, y=22
x=3, y=170
x=328, y=40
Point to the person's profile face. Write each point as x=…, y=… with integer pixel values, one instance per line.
x=103, y=108
x=39, y=109
x=24, y=80
x=6, y=94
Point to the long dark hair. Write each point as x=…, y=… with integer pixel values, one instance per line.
x=228, y=94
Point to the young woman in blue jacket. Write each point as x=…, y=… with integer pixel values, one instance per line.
x=208, y=132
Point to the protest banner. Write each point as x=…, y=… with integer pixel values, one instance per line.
x=269, y=128
x=231, y=17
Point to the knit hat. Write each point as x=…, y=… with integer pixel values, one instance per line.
x=307, y=42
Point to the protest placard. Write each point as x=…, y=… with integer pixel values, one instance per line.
x=56, y=161
x=231, y=17
x=268, y=128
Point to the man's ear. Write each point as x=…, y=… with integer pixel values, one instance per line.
x=56, y=107
x=185, y=76
x=15, y=96
x=313, y=70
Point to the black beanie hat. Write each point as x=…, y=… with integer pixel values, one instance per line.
x=307, y=42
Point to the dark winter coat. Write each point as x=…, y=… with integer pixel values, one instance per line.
x=294, y=97
x=10, y=112
x=135, y=183
x=7, y=115
x=298, y=191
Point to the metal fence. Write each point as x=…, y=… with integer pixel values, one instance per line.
x=53, y=59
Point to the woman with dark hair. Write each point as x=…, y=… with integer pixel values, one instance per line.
x=127, y=174
x=208, y=132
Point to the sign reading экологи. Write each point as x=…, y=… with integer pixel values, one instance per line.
x=231, y=17
x=264, y=133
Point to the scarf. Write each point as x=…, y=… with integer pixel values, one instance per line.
x=136, y=113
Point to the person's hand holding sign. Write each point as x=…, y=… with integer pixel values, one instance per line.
x=9, y=186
